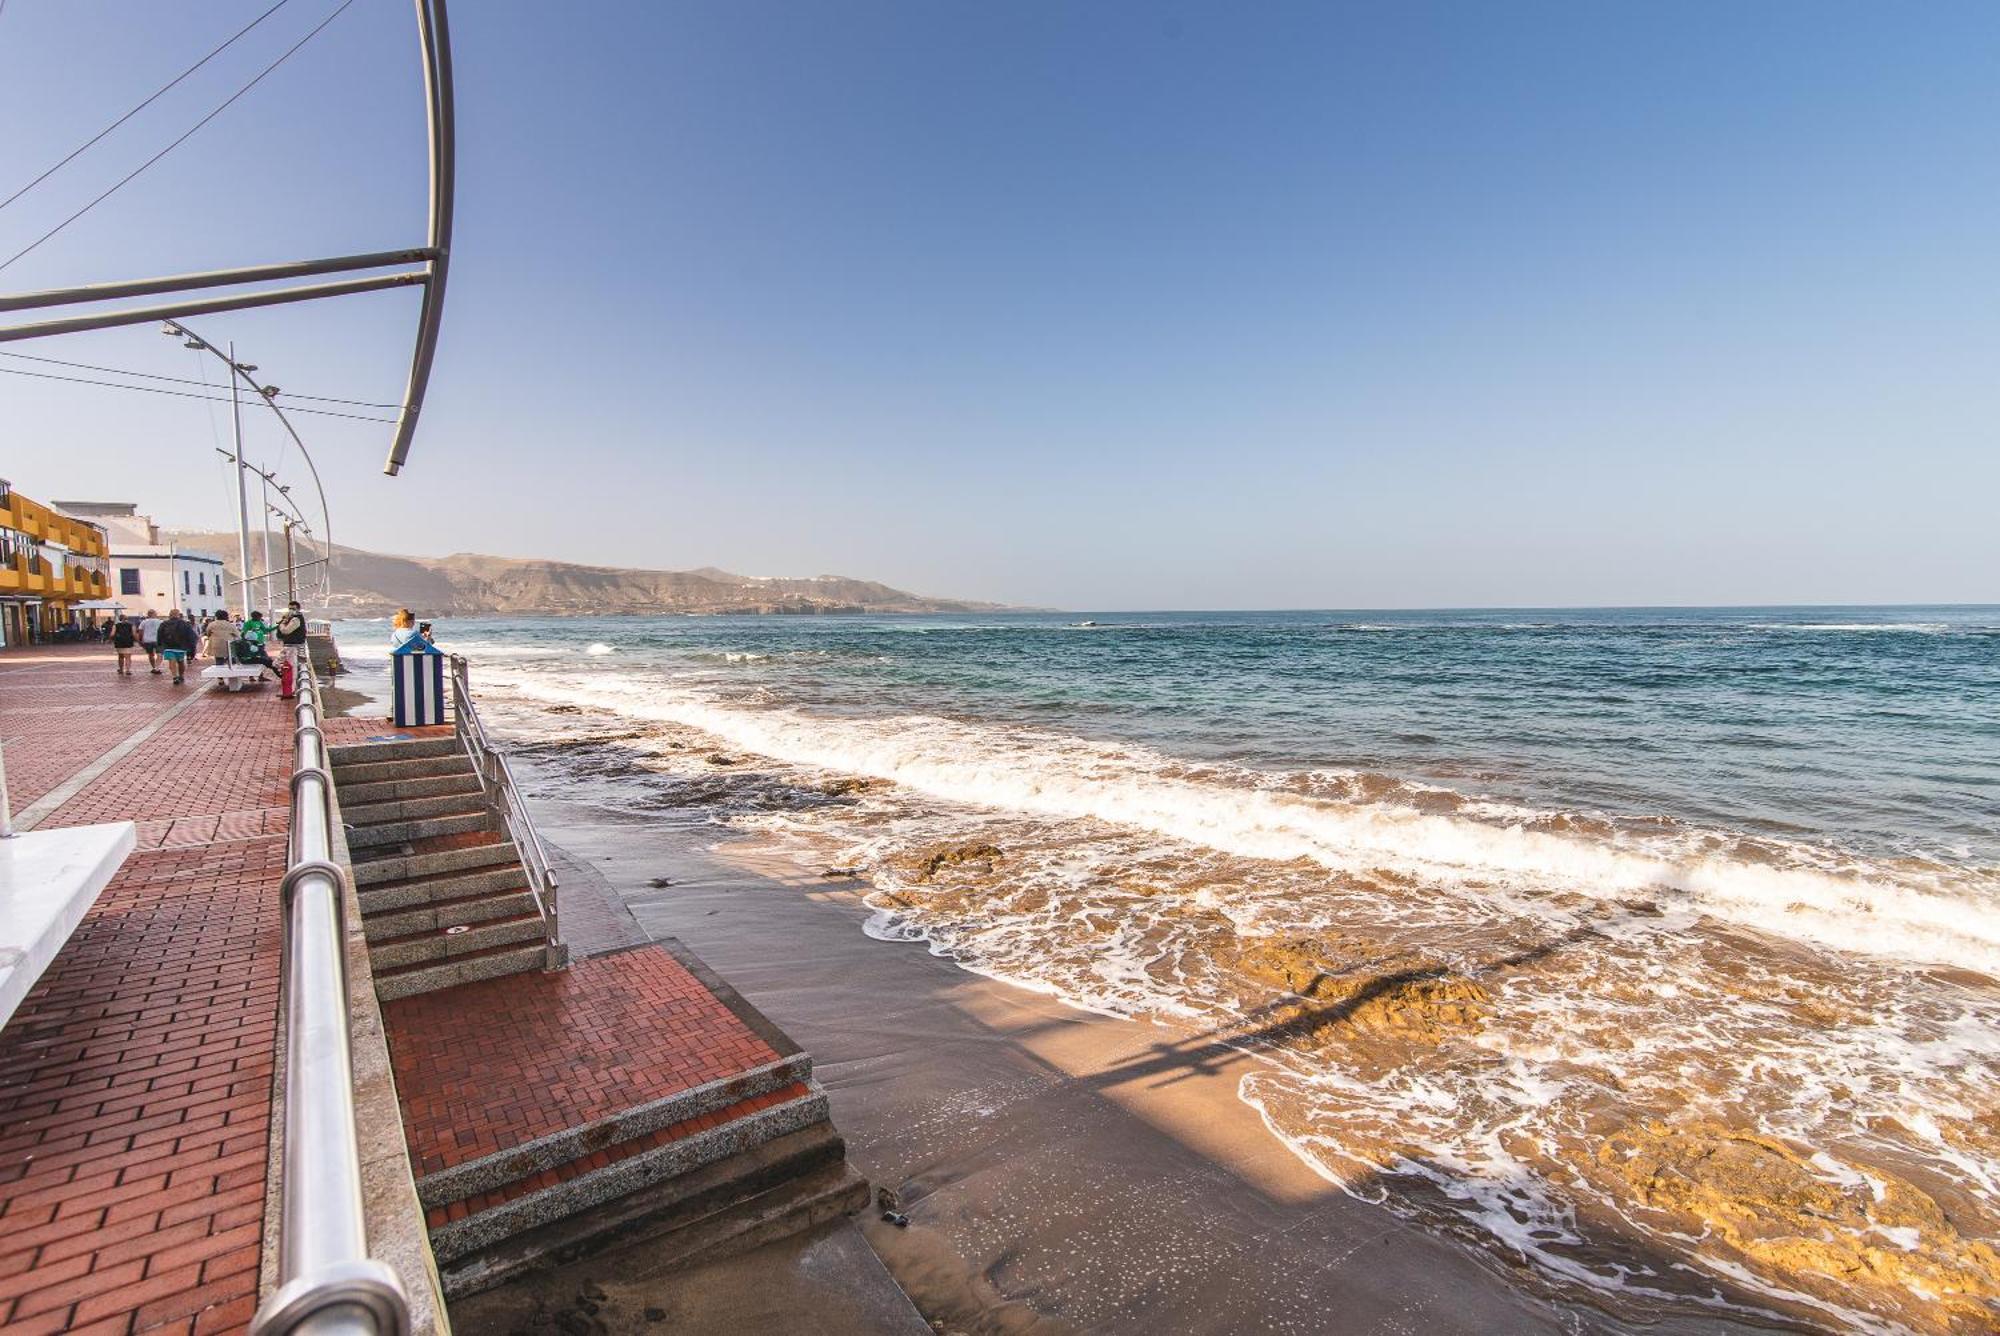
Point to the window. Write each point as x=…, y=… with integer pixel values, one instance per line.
x=128, y=579
x=187, y=585
x=201, y=582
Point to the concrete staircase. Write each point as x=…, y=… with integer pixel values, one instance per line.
x=718, y=1168
x=540, y=1113
x=445, y=898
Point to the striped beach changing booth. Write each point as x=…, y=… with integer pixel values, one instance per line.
x=416, y=684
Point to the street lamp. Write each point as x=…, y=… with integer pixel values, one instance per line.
x=241, y=372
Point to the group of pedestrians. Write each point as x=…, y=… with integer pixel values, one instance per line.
x=170, y=642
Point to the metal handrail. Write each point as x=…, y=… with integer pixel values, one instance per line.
x=327, y=1282
x=496, y=779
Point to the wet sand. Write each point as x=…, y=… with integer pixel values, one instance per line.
x=1061, y=1171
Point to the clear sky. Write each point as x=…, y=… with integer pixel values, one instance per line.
x=1082, y=305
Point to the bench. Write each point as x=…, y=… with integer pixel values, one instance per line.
x=235, y=676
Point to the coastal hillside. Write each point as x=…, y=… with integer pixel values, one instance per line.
x=372, y=584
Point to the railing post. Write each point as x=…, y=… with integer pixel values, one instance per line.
x=549, y=890
x=496, y=780
x=6, y=808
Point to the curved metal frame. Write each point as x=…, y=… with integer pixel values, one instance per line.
x=434, y=39
x=434, y=32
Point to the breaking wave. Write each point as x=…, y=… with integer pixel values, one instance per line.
x=1354, y=822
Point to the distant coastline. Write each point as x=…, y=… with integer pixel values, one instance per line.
x=375, y=584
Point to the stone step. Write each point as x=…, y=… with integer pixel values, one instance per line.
x=502, y=893
x=783, y=1187
x=577, y=1187
x=375, y=836
x=393, y=790
x=365, y=753
x=393, y=865
x=495, y=1172
x=408, y=980
x=415, y=767
x=409, y=809
x=434, y=945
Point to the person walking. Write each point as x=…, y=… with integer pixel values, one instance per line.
x=149, y=638
x=291, y=632
x=177, y=640
x=123, y=637
x=215, y=640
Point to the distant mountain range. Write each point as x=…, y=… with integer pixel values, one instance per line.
x=373, y=584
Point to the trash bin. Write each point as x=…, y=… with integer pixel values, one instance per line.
x=416, y=684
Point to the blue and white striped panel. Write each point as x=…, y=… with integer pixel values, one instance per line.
x=419, y=689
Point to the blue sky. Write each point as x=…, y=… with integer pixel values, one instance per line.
x=1082, y=305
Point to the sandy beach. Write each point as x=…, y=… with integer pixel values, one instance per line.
x=1062, y=1171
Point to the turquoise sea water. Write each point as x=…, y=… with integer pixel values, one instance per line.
x=1642, y=888
x=1871, y=729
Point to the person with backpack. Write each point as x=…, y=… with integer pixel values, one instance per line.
x=123, y=638
x=177, y=642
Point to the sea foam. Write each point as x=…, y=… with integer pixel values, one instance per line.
x=1793, y=890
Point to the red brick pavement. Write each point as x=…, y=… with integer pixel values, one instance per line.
x=487, y=1066
x=231, y=753
x=135, y=1080
x=62, y=708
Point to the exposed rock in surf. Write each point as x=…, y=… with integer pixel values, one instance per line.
x=1419, y=1002
x=1877, y=1235
x=923, y=865
x=1425, y=1008
x=719, y=758
x=846, y=784
x=1301, y=965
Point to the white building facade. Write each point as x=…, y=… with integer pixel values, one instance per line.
x=148, y=574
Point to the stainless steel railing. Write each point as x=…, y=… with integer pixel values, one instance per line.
x=496, y=778
x=327, y=1283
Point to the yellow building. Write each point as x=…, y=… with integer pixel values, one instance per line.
x=49, y=562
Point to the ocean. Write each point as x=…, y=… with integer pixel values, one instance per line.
x=1652, y=952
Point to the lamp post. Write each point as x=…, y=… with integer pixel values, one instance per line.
x=284, y=517
x=240, y=372
x=242, y=494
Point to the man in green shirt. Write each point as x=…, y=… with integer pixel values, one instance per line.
x=255, y=629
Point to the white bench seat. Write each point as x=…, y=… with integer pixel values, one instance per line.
x=235, y=676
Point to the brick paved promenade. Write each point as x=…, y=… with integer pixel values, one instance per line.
x=135, y=1080
x=136, y=1077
